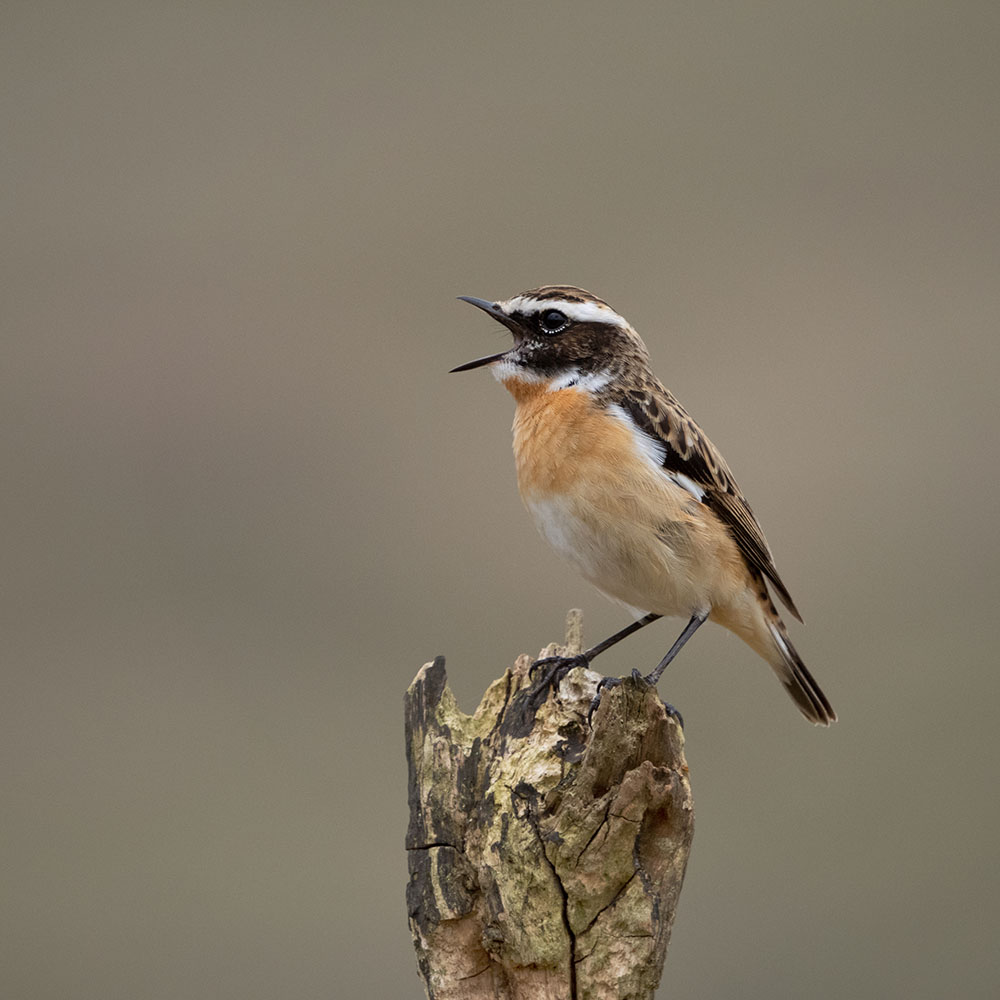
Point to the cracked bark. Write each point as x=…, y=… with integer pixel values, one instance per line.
x=546, y=856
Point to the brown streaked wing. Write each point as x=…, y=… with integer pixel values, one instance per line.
x=689, y=452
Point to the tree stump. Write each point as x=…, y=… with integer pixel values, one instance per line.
x=546, y=855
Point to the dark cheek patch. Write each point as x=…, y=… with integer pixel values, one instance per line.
x=582, y=345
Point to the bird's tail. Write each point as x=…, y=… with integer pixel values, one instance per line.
x=757, y=622
x=799, y=683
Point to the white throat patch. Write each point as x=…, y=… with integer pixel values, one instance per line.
x=591, y=382
x=506, y=368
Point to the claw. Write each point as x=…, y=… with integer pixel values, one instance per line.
x=676, y=714
x=554, y=669
x=610, y=682
x=602, y=684
x=558, y=662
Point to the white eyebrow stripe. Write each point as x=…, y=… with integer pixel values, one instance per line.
x=582, y=312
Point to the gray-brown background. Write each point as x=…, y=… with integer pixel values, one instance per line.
x=243, y=501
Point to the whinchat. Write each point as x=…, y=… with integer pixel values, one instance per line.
x=628, y=488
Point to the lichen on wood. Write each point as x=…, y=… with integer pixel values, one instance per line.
x=546, y=854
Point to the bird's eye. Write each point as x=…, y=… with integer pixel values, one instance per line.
x=553, y=321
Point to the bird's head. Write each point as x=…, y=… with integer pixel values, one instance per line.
x=563, y=335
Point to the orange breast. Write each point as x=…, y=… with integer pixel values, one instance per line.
x=562, y=438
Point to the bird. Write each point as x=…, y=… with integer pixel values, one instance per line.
x=626, y=487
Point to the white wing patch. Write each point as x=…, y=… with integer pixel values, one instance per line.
x=655, y=452
x=686, y=483
x=652, y=450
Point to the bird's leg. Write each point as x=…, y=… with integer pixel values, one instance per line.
x=554, y=668
x=697, y=620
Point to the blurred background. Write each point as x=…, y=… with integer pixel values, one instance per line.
x=243, y=501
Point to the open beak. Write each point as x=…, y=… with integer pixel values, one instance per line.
x=492, y=309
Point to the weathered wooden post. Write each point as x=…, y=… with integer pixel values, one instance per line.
x=546, y=855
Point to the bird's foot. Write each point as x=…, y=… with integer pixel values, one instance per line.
x=610, y=682
x=551, y=670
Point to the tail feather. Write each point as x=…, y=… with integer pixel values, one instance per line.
x=799, y=683
x=755, y=619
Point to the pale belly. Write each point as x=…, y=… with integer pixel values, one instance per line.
x=644, y=565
